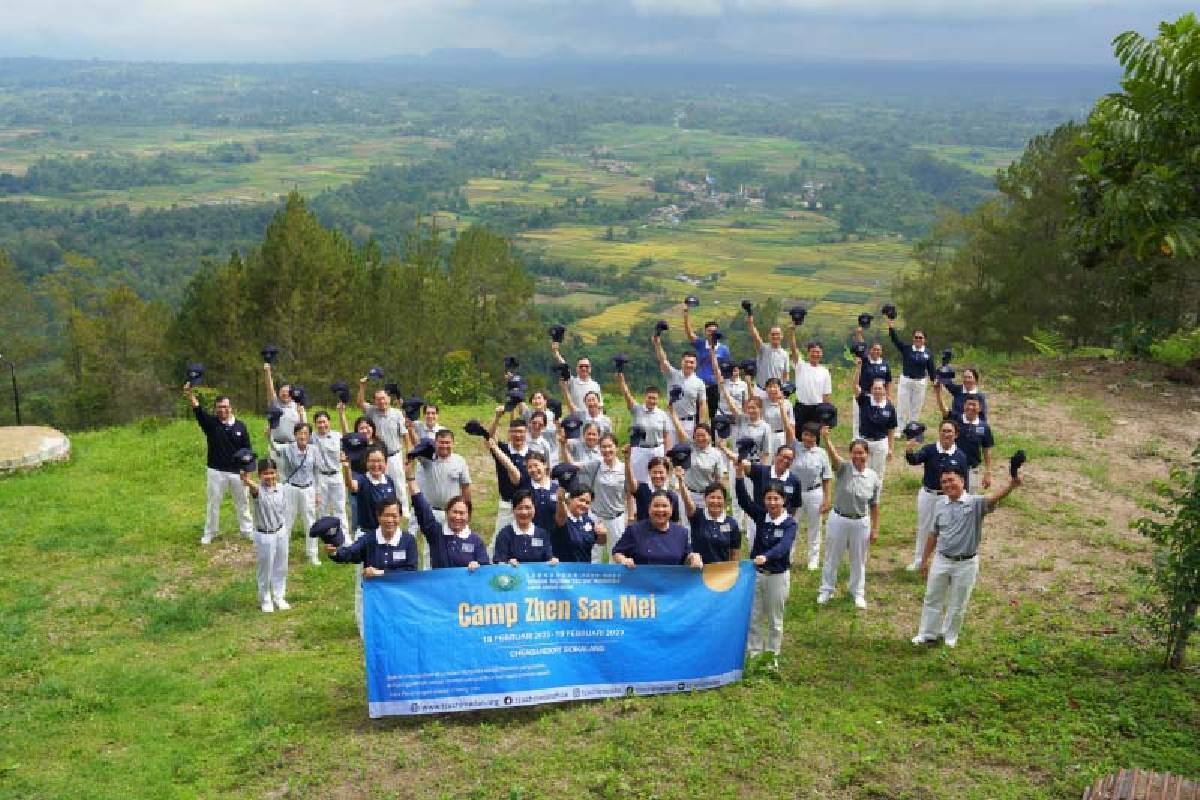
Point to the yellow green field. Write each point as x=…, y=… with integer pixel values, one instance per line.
x=560, y=177
x=977, y=159
x=617, y=318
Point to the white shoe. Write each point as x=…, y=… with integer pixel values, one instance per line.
x=813, y=566
x=267, y=606
x=314, y=559
x=920, y=640
x=822, y=598
x=913, y=567
x=860, y=602
x=281, y=604
x=951, y=642
x=207, y=538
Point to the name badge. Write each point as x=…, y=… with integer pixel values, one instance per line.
x=535, y=542
x=777, y=534
x=725, y=527
x=587, y=526
x=788, y=488
x=468, y=547
x=399, y=555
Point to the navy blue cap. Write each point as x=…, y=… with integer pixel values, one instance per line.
x=375, y=373
x=328, y=530
x=914, y=430
x=273, y=415
x=858, y=349
x=797, y=313
x=245, y=459
x=691, y=301
x=826, y=414
x=571, y=426
x=722, y=425
x=393, y=389
x=747, y=307
x=945, y=374
x=513, y=398
x=341, y=391
x=269, y=353
x=745, y=446
x=511, y=363
x=680, y=455
x=619, y=362
x=195, y=374
x=788, y=388
x=864, y=320
x=563, y=371
x=888, y=310
x=557, y=332
x=749, y=367
x=475, y=428
x=637, y=435
x=354, y=444
x=718, y=335
x=1014, y=463
x=675, y=394
x=555, y=406
x=565, y=474
x=299, y=395
x=661, y=327
x=412, y=407
x=947, y=356
x=422, y=449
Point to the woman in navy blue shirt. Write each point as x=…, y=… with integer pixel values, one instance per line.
x=658, y=470
x=715, y=535
x=455, y=544
x=775, y=531
x=521, y=540
x=386, y=549
x=575, y=529
x=959, y=392
x=656, y=540
x=544, y=490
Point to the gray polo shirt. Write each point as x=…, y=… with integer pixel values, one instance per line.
x=607, y=485
x=959, y=524
x=707, y=467
x=297, y=468
x=580, y=453
x=442, y=479
x=602, y=422
x=656, y=423
x=269, y=508
x=693, y=392
x=772, y=363
x=738, y=391
x=423, y=431
x=811, y=467
x=855, y=493
x=759, y=431
x=389, y=426
x=773, y=417
x=326, y=450
x=289, y=417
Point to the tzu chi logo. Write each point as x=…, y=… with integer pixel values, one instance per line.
x=505, y=582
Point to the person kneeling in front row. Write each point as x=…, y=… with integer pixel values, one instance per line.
x=951, y=558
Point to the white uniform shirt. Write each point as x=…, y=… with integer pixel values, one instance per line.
x=442, y=479
x=693, y=392
x=289, y=417
x=389, y=427
x=656, y=424
x=578, y=389
x=326, y=452
x=812, y=383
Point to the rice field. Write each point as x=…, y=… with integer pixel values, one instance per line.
x=980, y=160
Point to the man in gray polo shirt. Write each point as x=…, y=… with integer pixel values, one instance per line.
x=951, y=558
x=692, y=405
x=442, y=478
x=392, y=430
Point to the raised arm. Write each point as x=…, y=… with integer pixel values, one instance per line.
x=901, y=346
x=834, y=459
x=941, y=398
x=630, y=481
x=503, y=460
x=753, y=510
x=754, y=336
x=856, y=376
x=269, y=382
x=554, y=348
x=663, y=363
x=347, y=478
x=789, y=423
x=998, y=495
x=687, y=324
x=495, y=422
x=560, y=510
x=794, y=347
x=191, y=394
x=564, y=387
x=362, y=392
x=680, y=433
x=623, y=385
x=685, y=497
x=249, y=483
x=341, y=409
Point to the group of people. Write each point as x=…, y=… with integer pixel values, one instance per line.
x=724, y=450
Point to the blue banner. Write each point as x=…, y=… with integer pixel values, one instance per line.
x=452, y=640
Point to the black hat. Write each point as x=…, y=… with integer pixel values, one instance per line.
x=563, y=371
x=1014, y=463
x=557, y=332
x=513, y=399
x=571, y=426
x=475, y=428
x=858, y=349
x=341, y=391
x=747, y=307
x=726, y=368
x=945, y=374
x=915, y=430
x=637, y=435
x=888, y=310
x=680, y=455
x=864, y=320
x=299, y=395
x=749, y=367
x=511, y=363
x=195, y=374
x=788, y=388
x=376, y=373
x=394, y=390
x=270, y=353
x=797, y=313
x=422, y=449
x=675, y=394
x=328, y=530
x=354, y=444
x=244, y=459
x=718, y=335
x=515, y=382
x=826, y=414
x=661, y=327
x=565, y=474
x=722, y=425
x=947, y=356
x=412, y=407
x=745, y=446
x=619, y=362
x=691, y=301
x=273, y=415
x=554, y=405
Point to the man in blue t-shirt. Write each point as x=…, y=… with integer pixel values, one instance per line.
x=704, y=346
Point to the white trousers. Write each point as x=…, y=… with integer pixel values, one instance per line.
x=926, y=502
x=975, y=480
x=271, y=553
x=841, y=535
x=331, y=498
x=395, y=471
x=947, y=590
x=639, y=457
x=218, y=484
x=503, y=516
x=877, y=457
x=910, y=399
x=602, y=553
x=808, y=518
x=302, y=504
x=770, y=598
x=358, y=579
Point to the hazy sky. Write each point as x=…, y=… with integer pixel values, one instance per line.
x=1046, y=31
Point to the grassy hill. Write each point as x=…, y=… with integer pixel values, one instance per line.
x=136, y=663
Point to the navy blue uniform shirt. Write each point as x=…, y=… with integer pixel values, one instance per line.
x=760, y=477
x=714, y=539
x=545, y=504
x=959, y=396
x=935, y=462
x=447, y=549
x=917, y=365
x=973, y=438
x=646, y=544
x=641, y=502
x=369, y=551
x=573, y=540
x=503, y=483
x=369, y=495
x=510, y=544
x=874, y=422
x=771, y=540
x=223, y=440
x=872, y=372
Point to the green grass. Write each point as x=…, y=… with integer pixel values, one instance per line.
x=980, y=160
x=136, y=663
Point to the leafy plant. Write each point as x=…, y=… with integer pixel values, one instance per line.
x=1177, y=349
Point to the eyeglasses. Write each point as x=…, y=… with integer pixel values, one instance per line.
x=918, y=336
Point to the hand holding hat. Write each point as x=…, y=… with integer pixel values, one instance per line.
x=425, y=449
x=412, y=407
x=328, y=530
x=195, y=374
x=864, y=320
x=619, y=362
x=745, y=446
x=341, y=391
x=661, y=327
x=915, y=430
x=797, y=313
x=562, y=371
x=680, y=455
x=1014, y=463
x=557, y=332
x=571, y=425
x=748, y=308
x=564, y=474
x=269, y=353
x=375, y=373
x=788, y=388
x=675, y=394
x=637, y=435
x=299, y=395
x=691, y=301
x=889, y=311
x=245, y=459
x=274, y=413
x=393, y=390
x=475, y=428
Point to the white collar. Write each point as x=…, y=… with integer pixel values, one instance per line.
x=395, y=540
x=519, y=531
x=575, y=519
x=776, y=476
x=920, y=349
x=975, y=421
x=710, y=517
x=232, y=419
x=778, y=520
x=524, y=452
x=875, y=361
x=879, y=405
x=380, y=482
x=544, y=485
x=463, y=534
x=950, y=452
